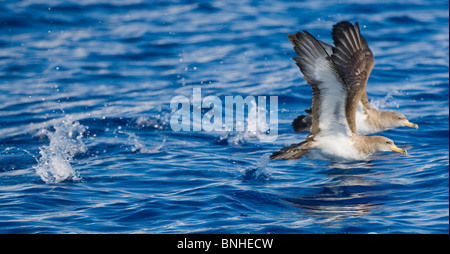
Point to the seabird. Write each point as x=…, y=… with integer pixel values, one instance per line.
x=337, y=76
x=368, y=119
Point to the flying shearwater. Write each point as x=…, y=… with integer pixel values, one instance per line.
x=338, y=76
x=368, y=120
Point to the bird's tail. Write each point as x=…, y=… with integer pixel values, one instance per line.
x=292, y=152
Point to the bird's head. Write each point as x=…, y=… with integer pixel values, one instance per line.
x=394, y=119
x=384, y=144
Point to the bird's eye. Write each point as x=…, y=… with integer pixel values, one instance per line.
x=388, y=142
x=401, y=118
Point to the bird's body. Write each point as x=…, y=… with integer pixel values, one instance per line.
x=338, y=77
x=335, y=148
x=368, y=121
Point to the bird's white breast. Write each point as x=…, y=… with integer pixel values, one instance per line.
x=337, y=148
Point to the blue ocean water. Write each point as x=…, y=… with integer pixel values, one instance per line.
x=86, y=145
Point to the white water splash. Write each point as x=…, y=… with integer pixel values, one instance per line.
x=387, y=101
x=138, y=146
x=240, y=137
x=54, y=165
x=261, y=172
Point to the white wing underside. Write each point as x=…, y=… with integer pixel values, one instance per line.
x=332, y=118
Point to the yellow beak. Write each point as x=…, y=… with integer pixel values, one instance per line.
x=409, y=124
x=398, y=150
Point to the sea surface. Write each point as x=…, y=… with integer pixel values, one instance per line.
x=86, y=144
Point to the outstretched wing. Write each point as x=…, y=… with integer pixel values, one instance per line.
x=355, y=61
x=329, y=89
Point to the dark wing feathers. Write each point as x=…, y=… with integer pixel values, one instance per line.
x=355, y=61
x=328, y=48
